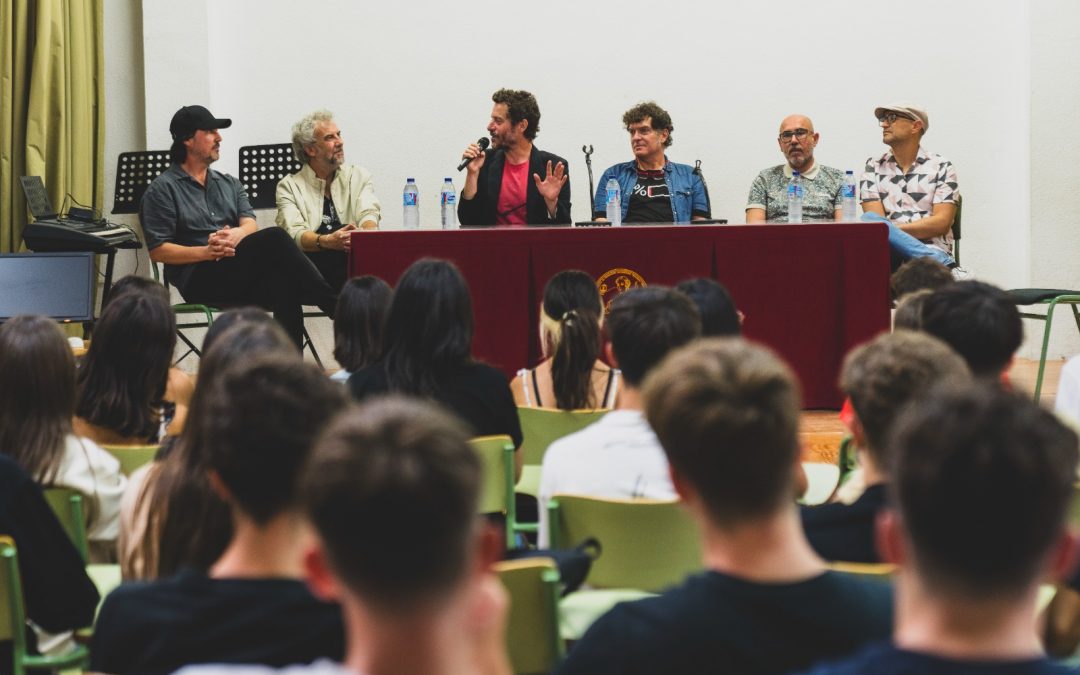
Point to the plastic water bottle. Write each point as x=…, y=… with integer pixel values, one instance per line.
x=614, y=203
x=448, y=205
x=794, y=198
x=410, y=197
x=847, y=198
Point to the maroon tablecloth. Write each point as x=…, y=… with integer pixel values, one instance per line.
x=810, y=291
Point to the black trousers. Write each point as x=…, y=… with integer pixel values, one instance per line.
x=270, y=271
x=332, y=265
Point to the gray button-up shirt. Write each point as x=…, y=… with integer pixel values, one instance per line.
x=177, y=209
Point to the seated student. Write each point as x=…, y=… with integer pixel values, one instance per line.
x=727, y=415
x=618, y=455
x=908, y=314
x=37, y=400
x=918, y=274
x=971, y=561
x=170, y=516
x=719, y=317
x=122, y=381
x=58, y=596
x=257, y=427
x=980, y=322
x=417, y=591
x=880, y=378
x=358, y=324
x=427, y=352
x=571, y=376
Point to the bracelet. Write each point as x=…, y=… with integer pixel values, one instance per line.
x=318, y=242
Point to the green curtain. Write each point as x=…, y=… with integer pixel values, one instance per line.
x=52, y=103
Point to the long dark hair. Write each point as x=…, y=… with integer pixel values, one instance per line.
x=122, y=378
x=37, y=396
x=570, y=334
x=358, y=321
x=719, y=318
x=188, y=523
x=429, y=327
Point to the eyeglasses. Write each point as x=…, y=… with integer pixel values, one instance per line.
x=794, y=133
x=890, y=117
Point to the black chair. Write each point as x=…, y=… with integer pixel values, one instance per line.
x=261, y=167
x=134, y=173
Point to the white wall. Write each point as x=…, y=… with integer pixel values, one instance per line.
x=412, y=87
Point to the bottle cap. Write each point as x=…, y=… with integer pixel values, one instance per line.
x=850, y=172
x=410, y=180
x=795, y=174
x=447, y=179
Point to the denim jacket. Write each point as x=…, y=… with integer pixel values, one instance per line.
x=685, y=187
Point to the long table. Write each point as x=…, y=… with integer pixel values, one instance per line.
x=810, y=291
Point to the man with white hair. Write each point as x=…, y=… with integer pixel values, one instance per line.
x=321, y=205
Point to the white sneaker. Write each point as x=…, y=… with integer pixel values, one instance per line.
x=961, y=273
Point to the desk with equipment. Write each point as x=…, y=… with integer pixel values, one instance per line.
x=809, y=291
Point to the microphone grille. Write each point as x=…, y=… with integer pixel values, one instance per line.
x=483, y=143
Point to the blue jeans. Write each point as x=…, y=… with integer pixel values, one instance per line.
x=906, y=247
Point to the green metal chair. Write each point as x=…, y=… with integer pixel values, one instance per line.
x=67, y=504
x=497, y=494
x=541, y=426
x=13, y=620
x=646, y=544
x=131, y=457
x=532, y=631
x=1051, y=298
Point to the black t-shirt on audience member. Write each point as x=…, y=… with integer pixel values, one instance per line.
x=479, y=394
x=845, y=532
x=57, y=594
x=885, y=659
x=717, y=623
x=190, y=618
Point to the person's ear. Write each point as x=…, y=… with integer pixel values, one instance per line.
x=609, y=352
x=1064, y=555
x=889, y=537
x=320, y=579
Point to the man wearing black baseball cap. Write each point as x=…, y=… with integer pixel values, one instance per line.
x=199, y=224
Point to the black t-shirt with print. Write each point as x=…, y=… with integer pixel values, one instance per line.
x=331, y=222
x=650, y=199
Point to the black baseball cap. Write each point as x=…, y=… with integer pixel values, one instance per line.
x=191, y=118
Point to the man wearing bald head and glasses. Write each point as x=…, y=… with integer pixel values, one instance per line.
x=822, y=184
x=915, y=192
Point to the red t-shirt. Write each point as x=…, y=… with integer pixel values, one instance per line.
x=510, y=209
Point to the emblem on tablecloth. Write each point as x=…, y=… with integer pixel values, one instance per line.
x=616, y=281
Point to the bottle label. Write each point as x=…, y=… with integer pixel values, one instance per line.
x=795, y=191
x=848, y=192
x=448, y=199
x=613, y=195
x=410, y=198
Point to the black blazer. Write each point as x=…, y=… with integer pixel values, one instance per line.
x=481, y=209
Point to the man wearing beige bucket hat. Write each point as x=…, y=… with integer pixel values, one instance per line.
x=912, y=190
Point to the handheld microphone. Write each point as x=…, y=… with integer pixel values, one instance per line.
x=483, y=143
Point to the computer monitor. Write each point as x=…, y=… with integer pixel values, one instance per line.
x=56, y=285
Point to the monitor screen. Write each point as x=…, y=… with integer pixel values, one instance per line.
x=56, y=285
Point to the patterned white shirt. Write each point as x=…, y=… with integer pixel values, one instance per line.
x=907, y=197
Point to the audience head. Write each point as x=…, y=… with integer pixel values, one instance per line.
x=37, y=398
x=982, y=479
x=719, y=318
x=727, y=415
x=261, y=418
x=918, y=274
x=358, y=321
x=520, y=105
x=644, y=324
x=405, y=458
x=977, y=320
x=882, y=376
x=570, y=333
x=122, y=378
x=908, y=314
x=131, y=282
x=429, y=327
x=189, y=524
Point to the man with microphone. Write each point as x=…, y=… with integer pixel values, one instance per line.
x=514, y=183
